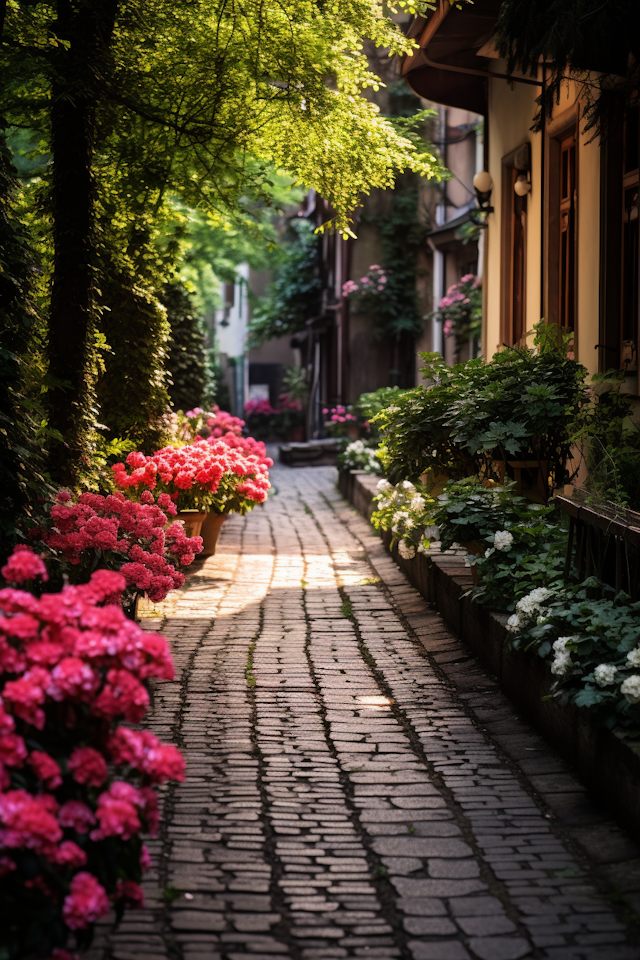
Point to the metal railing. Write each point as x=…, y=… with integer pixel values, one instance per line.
x=604, y=542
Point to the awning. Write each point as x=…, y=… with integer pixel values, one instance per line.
x=447, y=235
x=448, y=68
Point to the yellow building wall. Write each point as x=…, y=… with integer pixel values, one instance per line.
x=511, y=112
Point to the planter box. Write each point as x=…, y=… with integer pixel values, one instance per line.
x=606, y=763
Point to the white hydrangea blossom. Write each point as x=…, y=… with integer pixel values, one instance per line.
x=560, y=645
x=502, y=540
x=531, y=604
x=630, y=688
x=513, y=623
x=406, y=551
x=489, y=551
x=383, y=485
x=409, y=522
x=562, y=664
x=407, y=485
x=417, y=502
x=604, y=674
x=633, y=657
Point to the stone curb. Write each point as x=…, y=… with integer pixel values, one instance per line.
x=606, y=763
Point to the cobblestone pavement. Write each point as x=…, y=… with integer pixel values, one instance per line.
x=349, y=794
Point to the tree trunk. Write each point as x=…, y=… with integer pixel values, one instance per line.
x=72, y=294
x=80, y=71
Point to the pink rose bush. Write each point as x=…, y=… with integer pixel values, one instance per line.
x=205, y=475
x=112, y=532
x=76, y=783
x=460, y=310
x=372, y=284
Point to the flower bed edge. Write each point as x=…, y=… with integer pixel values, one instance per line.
x=607, y=764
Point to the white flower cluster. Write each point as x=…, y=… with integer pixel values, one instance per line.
x=502, y=540
x=406, y=514
x=562, y=662
x=531, y=605
x=604, y=674
x=633, y=657
x=527, y=608
x=358, y=456
x=630, y=688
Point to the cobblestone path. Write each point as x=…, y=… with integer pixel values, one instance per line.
x=344, y=798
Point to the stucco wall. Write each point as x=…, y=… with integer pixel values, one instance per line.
x=511, y=111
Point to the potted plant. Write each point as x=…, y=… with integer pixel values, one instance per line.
x=207, y=476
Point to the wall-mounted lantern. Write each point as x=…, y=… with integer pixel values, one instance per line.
x=522, y=186
x=483, y=185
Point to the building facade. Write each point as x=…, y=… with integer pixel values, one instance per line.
x=561, y=241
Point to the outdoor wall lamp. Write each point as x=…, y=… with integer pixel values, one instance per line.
x=522, y=186
x=483, y=185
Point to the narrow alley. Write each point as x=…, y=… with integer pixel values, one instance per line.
x=356, y=785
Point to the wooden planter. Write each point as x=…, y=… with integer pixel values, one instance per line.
x=531, y=477
x=192, y=520
x=210, y=532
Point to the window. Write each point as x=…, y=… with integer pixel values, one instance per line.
x=561, y=209
x=514, y=247
x=619, y=242
x=629, y=320
x=567, y=238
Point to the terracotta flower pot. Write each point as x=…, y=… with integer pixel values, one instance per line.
x=192, y=520
x=210, y=532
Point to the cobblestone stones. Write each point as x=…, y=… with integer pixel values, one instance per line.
x=345, y=797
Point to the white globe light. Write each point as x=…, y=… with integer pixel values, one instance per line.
x=522, y=187
x=482, y=182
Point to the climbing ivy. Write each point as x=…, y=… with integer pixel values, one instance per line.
x=293, y=296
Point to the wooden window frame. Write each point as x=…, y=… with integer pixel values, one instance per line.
x=509, y=335
x=613, y=183
x=556, y=132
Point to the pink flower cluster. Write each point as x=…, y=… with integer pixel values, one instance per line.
x=373, y=282
x=456, y=303
x=261, y=408
x=455, y=293
x=131, y=537
x=339, y=414
x=72, y=668
x=23, y=565
x=201, y=475
x=249, y=446
x=221, y=423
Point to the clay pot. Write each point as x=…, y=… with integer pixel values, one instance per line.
x=192, y=520
x=210, y=532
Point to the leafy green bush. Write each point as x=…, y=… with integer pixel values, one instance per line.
x=593, y=646
x=294, y=294
x=521, y=405
x=132, y=389
x=186, y=362
x=610, y=440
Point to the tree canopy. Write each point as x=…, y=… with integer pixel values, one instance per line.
x=133, y=105
x=596, y=42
